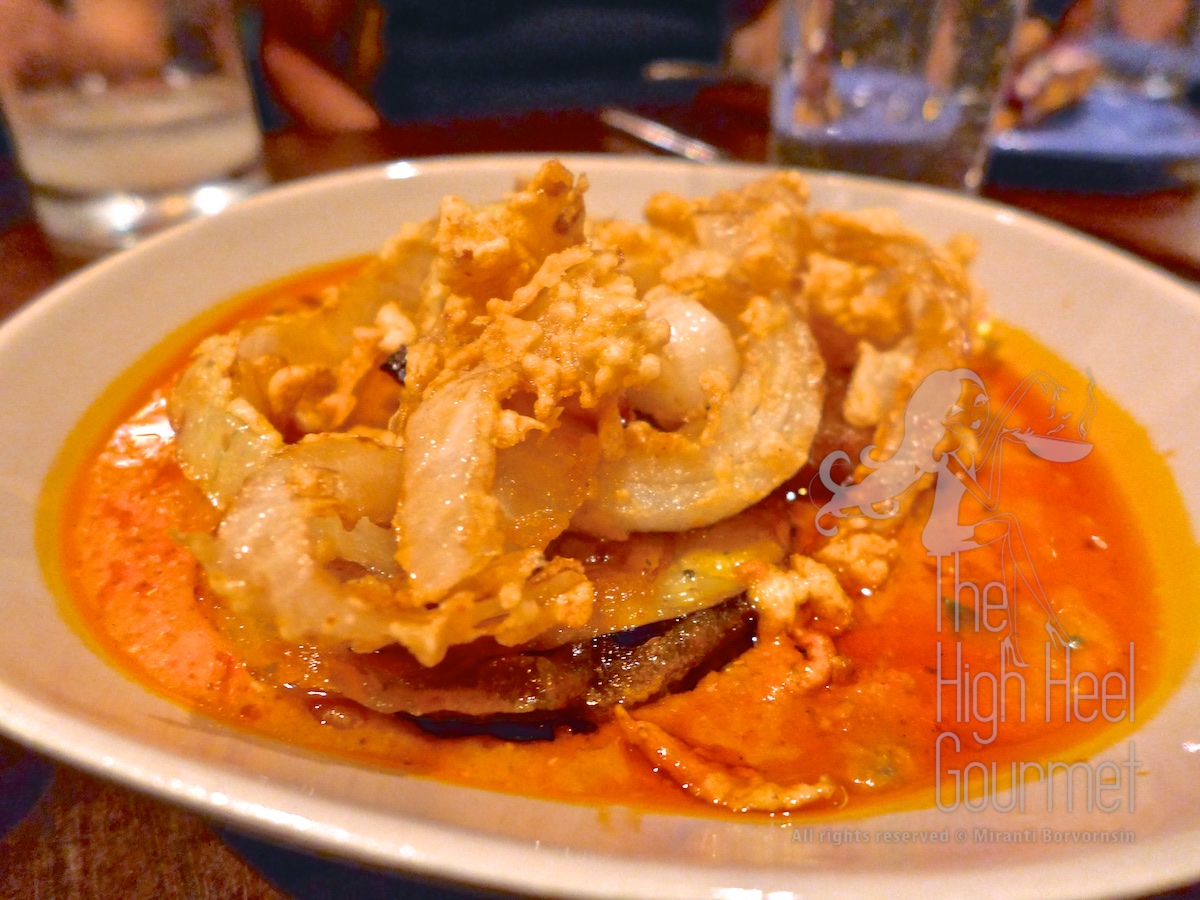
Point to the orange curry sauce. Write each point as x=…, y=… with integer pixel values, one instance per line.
x=875, y=730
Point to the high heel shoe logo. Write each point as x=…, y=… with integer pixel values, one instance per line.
x=948, y=450
x=951, y=437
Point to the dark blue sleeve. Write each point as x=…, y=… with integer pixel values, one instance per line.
x=448, y=58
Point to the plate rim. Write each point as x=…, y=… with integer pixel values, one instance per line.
x=442, y=865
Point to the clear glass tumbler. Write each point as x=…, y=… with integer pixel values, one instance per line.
x=903, y=89
x=128, y=115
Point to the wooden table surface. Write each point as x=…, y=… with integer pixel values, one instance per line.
x=85, y=838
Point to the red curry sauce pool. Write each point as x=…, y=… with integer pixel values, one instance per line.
x=875, y=732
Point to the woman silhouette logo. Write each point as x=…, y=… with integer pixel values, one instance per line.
x=948, y=436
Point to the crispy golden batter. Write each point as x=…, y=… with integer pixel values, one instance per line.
x=560, y=383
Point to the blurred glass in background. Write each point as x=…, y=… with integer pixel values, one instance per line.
x=127, y=116
x=904, y=89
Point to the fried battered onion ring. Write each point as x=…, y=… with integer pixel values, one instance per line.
x=564, y=386
x=673, y=481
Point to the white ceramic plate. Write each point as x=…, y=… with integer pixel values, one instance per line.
x=1136, y=328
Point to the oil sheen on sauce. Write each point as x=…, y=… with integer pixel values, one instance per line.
x=912, y=696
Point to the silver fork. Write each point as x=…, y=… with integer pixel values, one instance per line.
x=661, y=136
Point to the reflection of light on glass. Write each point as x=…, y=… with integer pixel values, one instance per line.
x=1191, y=746
x=210, y=200
x=400, y=170
x=124, y=212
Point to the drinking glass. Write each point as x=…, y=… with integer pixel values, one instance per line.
x=903, y=89
x=127, y=115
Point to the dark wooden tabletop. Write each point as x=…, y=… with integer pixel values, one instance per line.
x=75, y=836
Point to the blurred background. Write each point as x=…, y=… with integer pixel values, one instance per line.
x=1102, y=93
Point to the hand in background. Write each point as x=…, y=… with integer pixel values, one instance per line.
x=754, y=47
x=319, y=57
